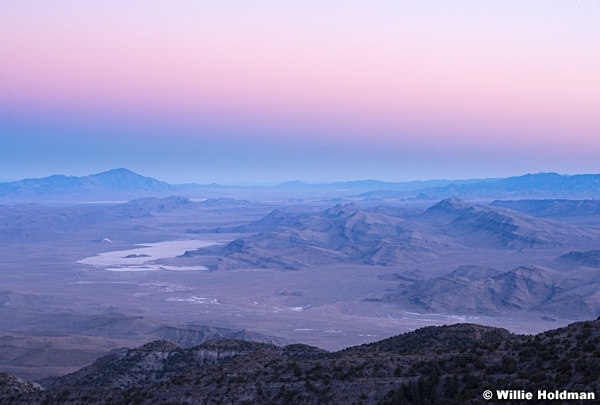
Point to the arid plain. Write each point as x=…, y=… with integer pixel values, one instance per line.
x=332, y=270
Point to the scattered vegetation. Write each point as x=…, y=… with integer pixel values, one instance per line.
x=433, y=365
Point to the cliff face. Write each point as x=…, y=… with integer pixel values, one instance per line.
x=445, y=365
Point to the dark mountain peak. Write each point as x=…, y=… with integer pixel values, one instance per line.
x=178, y=200
x=233, y=345
x=528, y=271
x=339, y=210
x=471, y=273
x=224, y=202
x=532, y=276
x=236, y=246
x=121, y=172
x=450, y=205
x=536, y=181
x=272, y=220
x=300, y=350
x=541, y=175
x=124, y=178
x=445, y=338
x=147, y=205
x=159, y=346
x=276, y=218
x=591, y=258
x=277, y=213
x=117, y=181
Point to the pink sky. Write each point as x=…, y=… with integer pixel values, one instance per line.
x=414, y=77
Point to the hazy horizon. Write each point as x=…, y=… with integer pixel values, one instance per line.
x=267, y=92
x=308, y=182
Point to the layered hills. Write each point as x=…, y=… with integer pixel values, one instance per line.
x=491, y=292
x=443, y=365
x=344, y=233
x=540, y=185
x=123, y=183
x=361, y=271
x=478, y=225
x=25, y=221
x=537, y=185
x=552, y=207
x=539, y=281
x=380, y=236
x=590, y=258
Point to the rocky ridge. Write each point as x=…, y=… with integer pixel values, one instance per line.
x=384, y=236
x=443, y=365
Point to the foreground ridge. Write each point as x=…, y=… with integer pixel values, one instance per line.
x=444, y=365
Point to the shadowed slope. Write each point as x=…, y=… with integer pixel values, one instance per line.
x=442, y=365
x=344, y=233
x=482, y=226
x=476, y=290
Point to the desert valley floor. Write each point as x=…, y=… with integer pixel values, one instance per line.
x=83, y=278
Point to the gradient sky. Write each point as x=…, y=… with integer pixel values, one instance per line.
x=267, y=91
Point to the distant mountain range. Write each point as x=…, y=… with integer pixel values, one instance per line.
x=552, y=207
x=443, y=365
x=25, y=221
x=380, y=236
x=550, y=185
x=125, y=184
x=112, y=182
x=539, y=185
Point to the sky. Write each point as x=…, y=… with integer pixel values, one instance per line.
x=268, y=91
